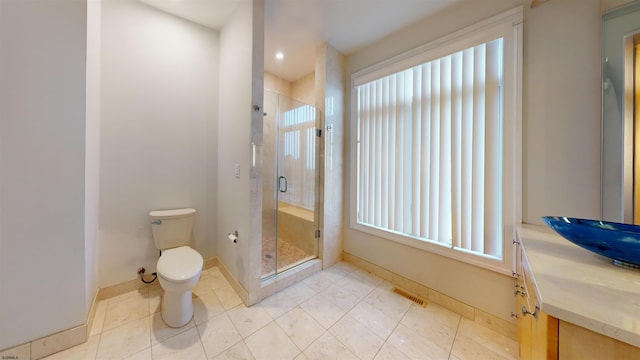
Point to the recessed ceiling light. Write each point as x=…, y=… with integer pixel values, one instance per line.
x=279, y=55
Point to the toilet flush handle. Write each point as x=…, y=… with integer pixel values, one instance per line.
x=156, y=222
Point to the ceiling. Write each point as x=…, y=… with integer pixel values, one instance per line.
x=295, y=27
x=210, y=13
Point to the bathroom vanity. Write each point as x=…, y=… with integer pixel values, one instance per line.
x=571, y=303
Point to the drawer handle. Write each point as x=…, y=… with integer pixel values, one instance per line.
x=533, y=313
x=518, y=290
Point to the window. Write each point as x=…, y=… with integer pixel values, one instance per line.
x=437, y=141
x=298, y=134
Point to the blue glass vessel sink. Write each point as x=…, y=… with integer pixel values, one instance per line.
x=616, y=241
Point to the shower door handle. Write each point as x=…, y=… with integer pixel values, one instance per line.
x=282, y=185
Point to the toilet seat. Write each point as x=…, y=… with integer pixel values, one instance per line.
x=179, y=264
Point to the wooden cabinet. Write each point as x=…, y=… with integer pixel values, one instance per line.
x=544, y=343
x=537, y=331
x=566, y=275
x=578, y=343
x=523, y=326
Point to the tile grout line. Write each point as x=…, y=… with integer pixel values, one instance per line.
x=394, y=330
x=328, y=330
x=455, y=337
x=106, y=307
x=294, y=343
x=204, y=351
x=347, y=312
x=319, y=336
x=101, y=332
x=150, y=324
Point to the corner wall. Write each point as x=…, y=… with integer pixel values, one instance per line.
x=92, y=152
x=561, y=135
x=43, y=47
x=234, y=143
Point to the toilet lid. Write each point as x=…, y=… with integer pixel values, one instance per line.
x=179, y=264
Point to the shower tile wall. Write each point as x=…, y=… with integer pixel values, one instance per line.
x=304, y=90
x=330, y=92
x=276, y=84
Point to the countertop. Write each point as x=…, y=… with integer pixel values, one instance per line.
x=583, y=288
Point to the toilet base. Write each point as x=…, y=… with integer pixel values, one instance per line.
x=177, y=308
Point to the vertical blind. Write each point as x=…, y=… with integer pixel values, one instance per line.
x=429, y=151
x=298, y=144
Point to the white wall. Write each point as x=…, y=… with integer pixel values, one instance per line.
x=561, y=126
x=561, y=135
x=234, y=142
x=92, y=151
x=42, y=168
x=159, y=90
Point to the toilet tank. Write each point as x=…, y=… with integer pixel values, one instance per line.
x=171, y=228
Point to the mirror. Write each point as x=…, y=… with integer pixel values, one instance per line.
x=620, y=39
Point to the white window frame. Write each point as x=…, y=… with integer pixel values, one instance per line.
x=507, y=25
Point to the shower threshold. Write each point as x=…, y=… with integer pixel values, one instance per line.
x=288, y=267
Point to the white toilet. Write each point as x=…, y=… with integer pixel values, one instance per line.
x=179, y=266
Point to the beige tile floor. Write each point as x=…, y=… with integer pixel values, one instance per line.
x=340, y=313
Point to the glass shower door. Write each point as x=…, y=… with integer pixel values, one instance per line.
x=297, y=183
x=291, y=236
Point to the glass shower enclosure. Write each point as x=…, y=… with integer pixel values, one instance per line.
x=290, y=224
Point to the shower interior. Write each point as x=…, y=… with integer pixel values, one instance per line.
x=290, y=225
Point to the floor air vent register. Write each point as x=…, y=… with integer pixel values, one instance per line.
x=411, y=297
